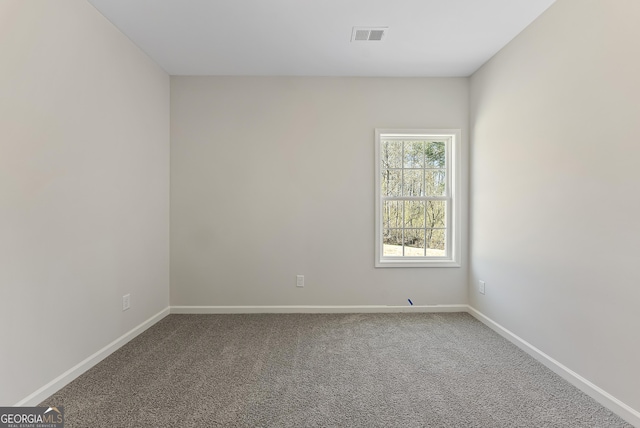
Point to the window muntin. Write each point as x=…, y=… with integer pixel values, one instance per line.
x=415, y=194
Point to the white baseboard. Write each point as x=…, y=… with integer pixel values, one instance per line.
x=313, y=309
x=601, y=396
x=65, y=378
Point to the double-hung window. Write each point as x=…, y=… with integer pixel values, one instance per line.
x=417, y=198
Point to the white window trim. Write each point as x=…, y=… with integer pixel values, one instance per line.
x=454, y=240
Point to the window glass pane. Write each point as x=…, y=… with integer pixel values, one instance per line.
x=391, y=154
x=391, y=182
x=436, y=214
x=414, y=242
x=392, y=242
x=414, y=219
x=414, y=214
x=414, y=154
x=413, y=184
x=435, y=182
x=435, y=241
x=392, y=214
x=435, y=155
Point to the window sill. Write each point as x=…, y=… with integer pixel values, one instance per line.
x=413, y=263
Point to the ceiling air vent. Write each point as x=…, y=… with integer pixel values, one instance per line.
x=368, y=34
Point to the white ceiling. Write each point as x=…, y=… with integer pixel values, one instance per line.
x=313, y=37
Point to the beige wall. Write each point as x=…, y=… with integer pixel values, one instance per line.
x=273, y=177
x=84, y=189
x=554, y=209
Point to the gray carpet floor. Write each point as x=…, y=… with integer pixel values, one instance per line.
x=324, y=370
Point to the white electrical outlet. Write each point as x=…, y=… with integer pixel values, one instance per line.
x=126, y=302
x=299, y=280
x=481, y=287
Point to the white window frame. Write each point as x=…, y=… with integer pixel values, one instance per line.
x=453, y=141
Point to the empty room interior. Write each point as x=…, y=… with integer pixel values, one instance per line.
x=321, y=213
